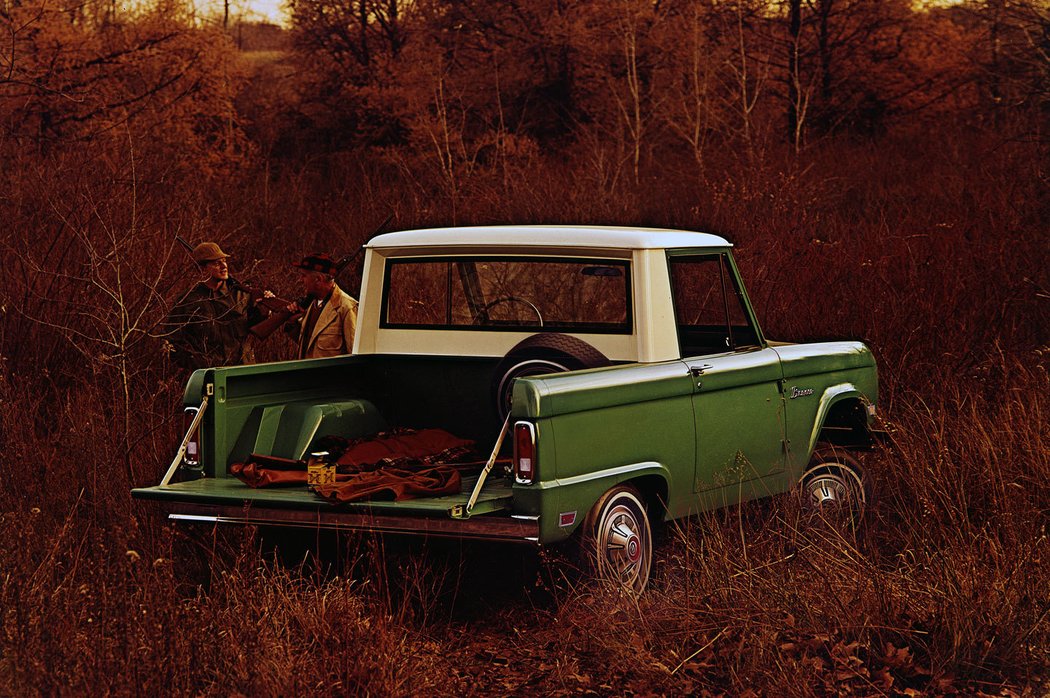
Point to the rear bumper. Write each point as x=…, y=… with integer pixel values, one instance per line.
x=491, y=527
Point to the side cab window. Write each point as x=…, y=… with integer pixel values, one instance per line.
x=709, y=306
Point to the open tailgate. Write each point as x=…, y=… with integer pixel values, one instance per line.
x=228, y=500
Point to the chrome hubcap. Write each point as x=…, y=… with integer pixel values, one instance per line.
x=623, y=545
x=828, y=491
x=833, y=489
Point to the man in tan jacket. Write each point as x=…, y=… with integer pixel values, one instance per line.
x=327, y=326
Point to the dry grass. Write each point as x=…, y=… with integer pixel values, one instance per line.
x=936, y=256
x=941, y=590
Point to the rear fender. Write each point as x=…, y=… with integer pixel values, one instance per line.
x=565, y=502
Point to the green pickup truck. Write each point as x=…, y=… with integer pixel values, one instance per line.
x=614, y=376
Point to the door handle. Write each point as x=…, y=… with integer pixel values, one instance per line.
x=698, y=372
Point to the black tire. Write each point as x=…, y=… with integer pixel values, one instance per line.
x=833, y=485
x=540, y=354
x=616, y=541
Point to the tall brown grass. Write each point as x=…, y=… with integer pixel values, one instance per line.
x=934, y=254
x=943, y=588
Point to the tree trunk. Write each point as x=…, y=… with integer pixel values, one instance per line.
x=824, y=48
x=794, y=30
x=362, y=25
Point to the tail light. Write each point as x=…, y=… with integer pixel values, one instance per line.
x=192, y=457
x=524, y=452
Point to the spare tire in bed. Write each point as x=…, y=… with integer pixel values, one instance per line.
x=540, y=354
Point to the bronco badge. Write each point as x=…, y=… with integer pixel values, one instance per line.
x=800, y=392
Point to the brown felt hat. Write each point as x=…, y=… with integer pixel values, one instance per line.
x=208, y=252
x=318, y=261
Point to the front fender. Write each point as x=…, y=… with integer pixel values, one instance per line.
x=832, y=396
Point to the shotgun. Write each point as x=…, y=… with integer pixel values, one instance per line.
x=273, y=304
x=280, y=305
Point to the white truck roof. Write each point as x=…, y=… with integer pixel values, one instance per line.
x=608, y=237
x=653, y=335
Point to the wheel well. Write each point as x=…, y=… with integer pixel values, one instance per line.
x=846, y=424
x=653, y=489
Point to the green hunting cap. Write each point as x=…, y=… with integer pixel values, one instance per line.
x=208, y=252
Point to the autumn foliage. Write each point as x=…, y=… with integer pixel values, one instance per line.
x=880, y=166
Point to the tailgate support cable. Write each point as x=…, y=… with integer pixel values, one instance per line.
x=488, y=466
x=185, y=441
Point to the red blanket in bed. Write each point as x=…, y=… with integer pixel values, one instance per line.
x=399, y=464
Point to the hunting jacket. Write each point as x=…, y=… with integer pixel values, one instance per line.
x=208, y=328
x=333, y=333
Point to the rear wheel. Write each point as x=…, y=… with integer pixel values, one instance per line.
x=617, y=542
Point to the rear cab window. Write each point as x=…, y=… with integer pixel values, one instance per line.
x=509, y=293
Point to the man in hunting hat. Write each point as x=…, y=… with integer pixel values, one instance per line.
x=210, y=323
x=327, y=326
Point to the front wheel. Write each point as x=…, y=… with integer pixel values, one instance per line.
x=833, y=484
x=617, y=542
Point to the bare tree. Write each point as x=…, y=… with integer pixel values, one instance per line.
x=693, y=108
x=630, y=87
x=749, y=75
x=1012, y=55
x=350, y=34
x=64, y=82
x=104, y=299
